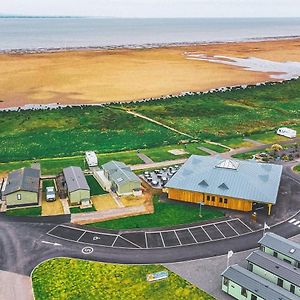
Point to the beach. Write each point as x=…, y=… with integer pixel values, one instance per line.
x=101, y=76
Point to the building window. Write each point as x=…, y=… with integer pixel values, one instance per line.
x=19, y=197
x=213, y=198
x=244, y=292
x=225, y=200
x=208, y=198
x=262, y=248
x=225, y=281
x=275, y=254
x=292, y=289
x=253, y=297
x=221, y=200
x=298, y=264
x=250, y=267
x=280, y=282
x=287, y=261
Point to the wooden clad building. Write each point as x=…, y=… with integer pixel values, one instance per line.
x=225, y=183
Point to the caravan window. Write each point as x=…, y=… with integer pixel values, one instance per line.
x=19, y=196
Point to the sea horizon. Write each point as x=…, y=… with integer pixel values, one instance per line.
x=68, y=32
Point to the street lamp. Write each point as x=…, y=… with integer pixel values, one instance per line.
x=200, y=209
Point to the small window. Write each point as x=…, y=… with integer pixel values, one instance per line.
x=275, y=254
x=221, y=200
x=253, y=297
x=262, y=248
x=208, y=198
x=225, y=281
x=287, y=261
x=280, y=282
x=213, y=198
x=298, y=264
x=292, y=289
x=225, y=200
x=244, y=292
x=250, y=267
x=19, y=196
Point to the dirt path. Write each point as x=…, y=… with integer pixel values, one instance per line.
x=158, y=165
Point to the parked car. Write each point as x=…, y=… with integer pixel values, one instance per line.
x=50, y=194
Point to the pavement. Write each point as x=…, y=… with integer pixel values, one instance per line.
x=146, y=159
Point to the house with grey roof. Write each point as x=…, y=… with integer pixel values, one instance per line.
x=275, y=270
x=22, y=187
x=123, y=180
x=77, y=186
x=243, y=284
x=226, y=183
x=281, y=248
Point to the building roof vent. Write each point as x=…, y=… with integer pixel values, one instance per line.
x=228, y=164
x=292, y=250
x=203, y=183
x=223, y=186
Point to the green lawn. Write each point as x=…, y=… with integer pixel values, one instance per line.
x=47, y=183
x=71, y=279
x=166, y=214
x=297, y=169
x=95, y=187
x=215, y=148
x=22, y=212
x=78, y=210
x=247, y=155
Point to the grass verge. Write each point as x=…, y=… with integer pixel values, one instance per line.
x=66, y=279
x=78, y=210
x=95, y=187
x=25, y=212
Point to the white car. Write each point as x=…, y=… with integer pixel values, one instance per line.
x=50, y=193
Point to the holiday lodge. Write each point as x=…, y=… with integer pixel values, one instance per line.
x=226, y=183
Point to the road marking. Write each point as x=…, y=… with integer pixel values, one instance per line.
x=220, y=232
x=192, y=236
x=178, y=238
x=206, y=233
x=292, y=221
x=162, y=239
x=114, y=241
x=87, y=250
x=80, y=236
x=245, y=225
x=50, y=243
x=296, y=223
x=95, y=238
x=129, y=241
x=232, y=228
x=146, y=241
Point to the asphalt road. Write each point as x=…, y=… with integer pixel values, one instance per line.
x=22, y=243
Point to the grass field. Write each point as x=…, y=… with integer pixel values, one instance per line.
x=70, y=279
x=47, y=183
x=165, y=214
x=78, y=210
x=230, y=114
x=95, y=187
x=22, y=212
x=297, y=169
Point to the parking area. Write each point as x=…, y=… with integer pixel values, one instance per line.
x=154, y=239
x=157, y=179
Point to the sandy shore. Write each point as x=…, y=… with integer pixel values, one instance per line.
x=122, y=75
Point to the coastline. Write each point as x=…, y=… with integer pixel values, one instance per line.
x=101, y=77
x=143, y=46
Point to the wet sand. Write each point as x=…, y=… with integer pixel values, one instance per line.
x=122, y=75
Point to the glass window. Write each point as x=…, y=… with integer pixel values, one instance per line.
x=19, y=196
x=244, y=292
x=221, y=200
x=288, y=261
x=253, y=297
x=262, y=248
x=292, y=289
x=250, y=267
x=213, y=198
x=280, y=282
x=275, y=254
x=225, y=200
x=226, y=281
x=207, y=198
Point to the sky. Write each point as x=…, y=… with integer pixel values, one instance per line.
x=154, y=8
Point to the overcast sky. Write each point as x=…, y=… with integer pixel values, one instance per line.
x=154, y=8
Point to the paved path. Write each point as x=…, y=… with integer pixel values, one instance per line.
x=253, y=142
x=159, y=123
x=146, y=159
x=15, y=287
x=158, y=164
x=116, y=199
x=209, y=151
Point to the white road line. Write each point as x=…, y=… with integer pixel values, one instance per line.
x=129, y=241
x=220, y=232
x=245, y=225
x=178, y=238
x=232, y=228
x=80, y=237
x=146, y=239
x=297, y=223
x=53, y=228
x=292, y=221
x=162, y=239
x=206, y=233
x=192, y=235
x=114, y=241
x=196, y=226
x=94, y=232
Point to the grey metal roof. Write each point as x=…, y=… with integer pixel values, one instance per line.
x=248, y=180
x=114, y=166
x=25, y=179
x=281, y=245
x=257, y=285
x=275, y=266
x=75, y=179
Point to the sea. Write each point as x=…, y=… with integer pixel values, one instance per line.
x=64, y=33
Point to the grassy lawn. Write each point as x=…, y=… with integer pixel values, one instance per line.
x=237, y=142
x=78, y=210
x=47, y=183
x=215, y=148
x=297, y=169
x=22, y=212
x=66, y=279
x=165, y=214
x=95, y=187
x=247, y=155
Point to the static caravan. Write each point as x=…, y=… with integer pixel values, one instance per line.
x=287, y=132
x=91, y=158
